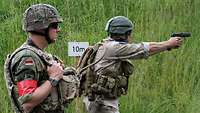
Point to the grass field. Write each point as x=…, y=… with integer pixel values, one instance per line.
x=164, y=83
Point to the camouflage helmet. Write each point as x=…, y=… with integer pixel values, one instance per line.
x=119, y=25
x=40, y=16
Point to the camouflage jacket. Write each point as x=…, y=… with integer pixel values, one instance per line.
x=30, y=63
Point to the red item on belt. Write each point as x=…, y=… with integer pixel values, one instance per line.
x=26, y=87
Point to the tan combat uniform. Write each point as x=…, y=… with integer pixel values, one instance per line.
x=114, y=65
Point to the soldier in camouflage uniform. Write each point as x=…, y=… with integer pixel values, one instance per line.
x=34, y=76
x=114, y=68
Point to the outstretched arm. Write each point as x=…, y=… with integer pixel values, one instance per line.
x=172, y=43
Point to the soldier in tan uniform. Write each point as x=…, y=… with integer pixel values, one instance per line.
x=34, y=76
x=113, y=68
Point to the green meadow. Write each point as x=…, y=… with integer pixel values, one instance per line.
x=168, y=82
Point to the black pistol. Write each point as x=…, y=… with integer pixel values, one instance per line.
x=181, y=34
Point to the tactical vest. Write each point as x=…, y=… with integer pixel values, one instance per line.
x=105, y=85
x=66, y=89
x=85, y=70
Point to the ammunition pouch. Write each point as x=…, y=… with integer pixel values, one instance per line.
x=127, y=67
x=68, y=86
x=108, y=87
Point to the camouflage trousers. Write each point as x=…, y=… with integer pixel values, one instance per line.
x=99, y=107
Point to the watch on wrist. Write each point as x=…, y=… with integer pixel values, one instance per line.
x=53, y=82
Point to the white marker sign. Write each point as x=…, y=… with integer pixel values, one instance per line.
x=77, y=48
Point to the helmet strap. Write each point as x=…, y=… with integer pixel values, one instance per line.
x=38, y=33
x=47, y=37
x=45, y=34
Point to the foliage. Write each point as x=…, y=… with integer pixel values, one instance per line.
x=165, y=83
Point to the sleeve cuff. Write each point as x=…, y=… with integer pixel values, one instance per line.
x=146, y=46
x=146, y=49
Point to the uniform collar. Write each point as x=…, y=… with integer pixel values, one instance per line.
x=110, y=39
x=31, y=43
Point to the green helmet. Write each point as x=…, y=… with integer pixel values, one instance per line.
x=119, y=25
x=39, y=17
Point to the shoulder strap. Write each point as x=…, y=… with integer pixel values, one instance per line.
x=10, y=85
x=84, y=62
x=44, y=56
x=9, y=61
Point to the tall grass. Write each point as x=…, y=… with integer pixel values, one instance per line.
x=164, y=83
